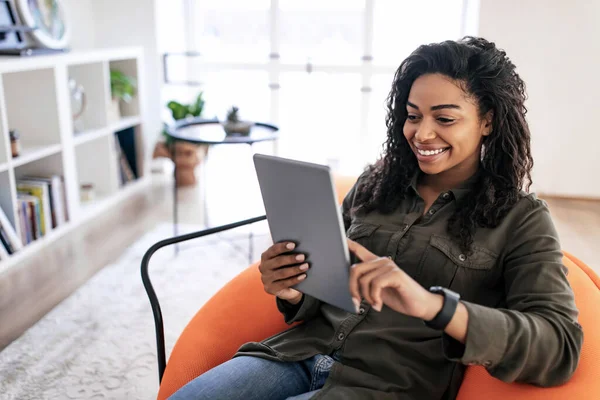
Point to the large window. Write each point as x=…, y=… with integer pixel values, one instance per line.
x=321, y=70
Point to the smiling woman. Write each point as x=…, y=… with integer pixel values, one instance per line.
x=440, y=101
x=443, y=128
x=455, y=264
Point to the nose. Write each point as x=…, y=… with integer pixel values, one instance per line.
x=425, y=132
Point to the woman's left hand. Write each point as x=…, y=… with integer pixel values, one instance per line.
x=380, y=281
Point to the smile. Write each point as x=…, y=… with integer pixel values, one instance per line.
x=432, y=152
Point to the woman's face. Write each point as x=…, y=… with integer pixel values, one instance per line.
x=443, y=127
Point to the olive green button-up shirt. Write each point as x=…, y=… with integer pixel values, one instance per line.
x=522, y=315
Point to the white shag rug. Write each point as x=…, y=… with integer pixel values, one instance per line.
x=100, y=343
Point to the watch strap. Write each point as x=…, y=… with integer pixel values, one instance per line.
x=443, y=318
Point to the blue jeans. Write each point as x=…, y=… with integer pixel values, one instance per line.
x=252, y=378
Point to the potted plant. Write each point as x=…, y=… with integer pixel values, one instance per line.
x=233, y=125
x=181, y=111
x=187, y=155
x=122, y=88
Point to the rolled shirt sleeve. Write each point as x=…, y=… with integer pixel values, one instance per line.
x=536, y=339
x=306, y=309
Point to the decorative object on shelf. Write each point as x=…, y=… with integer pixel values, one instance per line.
x=87, y=192
x=233, y=125
x=10, y=31
x=48, y=19
x=37, y=28
x=78, y=104
x=187, y=155
x=122, y=88
x=15, y=143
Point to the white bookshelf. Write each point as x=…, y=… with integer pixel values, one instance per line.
x=35, y=100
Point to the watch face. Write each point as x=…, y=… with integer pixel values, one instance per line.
x=436, y=289
x=444, y=291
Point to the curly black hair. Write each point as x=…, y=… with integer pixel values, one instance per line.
x=488, y=76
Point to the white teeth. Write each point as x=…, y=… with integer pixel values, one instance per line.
x=430, y=152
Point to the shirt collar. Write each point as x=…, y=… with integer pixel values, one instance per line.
x=458, y=192
x=466, y=187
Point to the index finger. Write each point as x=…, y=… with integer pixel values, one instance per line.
x=360, y=251
x=278, y=249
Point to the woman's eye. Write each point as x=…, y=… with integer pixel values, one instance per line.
x=445, y=120
x=412, y=117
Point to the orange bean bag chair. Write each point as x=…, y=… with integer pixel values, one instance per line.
x=215, y=333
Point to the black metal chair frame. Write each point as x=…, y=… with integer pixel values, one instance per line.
x=158, y=319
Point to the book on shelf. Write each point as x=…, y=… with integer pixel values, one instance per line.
x=125, y=172
x=127, y=143
x=42, y=192
x=58, y=203
x=8, y=235
x=3, y=253
x=4, y=242
x=31, y=216
x=22, y=212
x=41, y=206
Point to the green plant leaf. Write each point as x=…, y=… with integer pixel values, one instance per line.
x=178, y=110
x=122, y=86
x=197, y=107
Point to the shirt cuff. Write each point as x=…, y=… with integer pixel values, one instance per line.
x=487, y=337
x=290, y=311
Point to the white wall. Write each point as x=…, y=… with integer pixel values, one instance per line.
x=556, y=48
x=114, y=23
x=134, y=23
x=79, y=15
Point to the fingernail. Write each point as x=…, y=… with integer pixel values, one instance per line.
x=302, y=277
x=300, y=257
x=290, y=246
x=304, y=267
x=377, y=307
x=356, y=303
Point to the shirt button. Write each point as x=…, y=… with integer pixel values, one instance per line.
x=487, y=364
x=446, y=195
x=405, y=228
x=431, y=212
x=341, y=336
x=361, y=311
x=462, y=257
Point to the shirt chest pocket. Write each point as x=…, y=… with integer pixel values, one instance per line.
x=366, y=235
x=444, y=264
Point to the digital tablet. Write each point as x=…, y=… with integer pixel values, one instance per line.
x=301, y=206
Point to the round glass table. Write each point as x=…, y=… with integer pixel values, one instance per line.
x=201, y=131
x=211, y=132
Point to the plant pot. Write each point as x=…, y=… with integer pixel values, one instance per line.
x=161, y=151
x=114, y=111
x=187, y=158
x=237, y=128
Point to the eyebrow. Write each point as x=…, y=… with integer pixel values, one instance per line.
x=438, y=107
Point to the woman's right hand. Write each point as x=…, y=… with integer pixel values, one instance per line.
x=280, y=272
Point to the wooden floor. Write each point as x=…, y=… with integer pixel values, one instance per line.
x=30, y=290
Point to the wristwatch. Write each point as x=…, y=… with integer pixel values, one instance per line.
x=443, y=318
